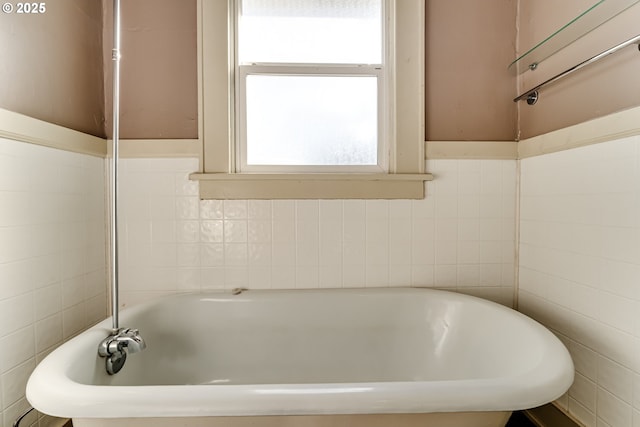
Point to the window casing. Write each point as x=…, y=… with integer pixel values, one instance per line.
x=402, y=175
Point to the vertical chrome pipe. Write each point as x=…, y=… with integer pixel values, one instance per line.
x=115, y=56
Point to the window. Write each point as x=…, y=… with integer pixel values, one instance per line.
x=310, y=85
x=321, y=99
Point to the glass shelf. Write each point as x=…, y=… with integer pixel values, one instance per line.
x=593, y=17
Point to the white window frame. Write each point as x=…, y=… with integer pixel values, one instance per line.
x=379, y=71
x=404, y=132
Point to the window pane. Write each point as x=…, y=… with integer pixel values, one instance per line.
x=311, y=31
x=312, y=120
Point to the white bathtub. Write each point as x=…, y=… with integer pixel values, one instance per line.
x=320, y=356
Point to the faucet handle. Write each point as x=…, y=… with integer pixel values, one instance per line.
x=115, y=362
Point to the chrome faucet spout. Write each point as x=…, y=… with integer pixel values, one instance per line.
x=131, y=339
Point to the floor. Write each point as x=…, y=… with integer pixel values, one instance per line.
x=518, y=419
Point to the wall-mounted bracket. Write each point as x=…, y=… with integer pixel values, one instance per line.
x=532, y=97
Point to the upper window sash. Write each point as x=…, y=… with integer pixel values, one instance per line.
x=304, y=31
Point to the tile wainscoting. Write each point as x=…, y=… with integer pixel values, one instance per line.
x=53, y=281
x=579, y=271
x=461, y=237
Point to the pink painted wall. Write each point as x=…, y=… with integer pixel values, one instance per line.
x=468, y=87
x=55, y=70
x=159, y=86
x=51, y=64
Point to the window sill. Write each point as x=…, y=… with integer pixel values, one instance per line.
x=224, y=186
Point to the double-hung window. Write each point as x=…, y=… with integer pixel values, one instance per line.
x=311, y=86
x=312, y=99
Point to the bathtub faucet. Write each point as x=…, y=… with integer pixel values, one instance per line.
x=113, y=348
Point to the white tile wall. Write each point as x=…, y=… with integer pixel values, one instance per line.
x=52, y=258
x=580, y=270
x=461, y=237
